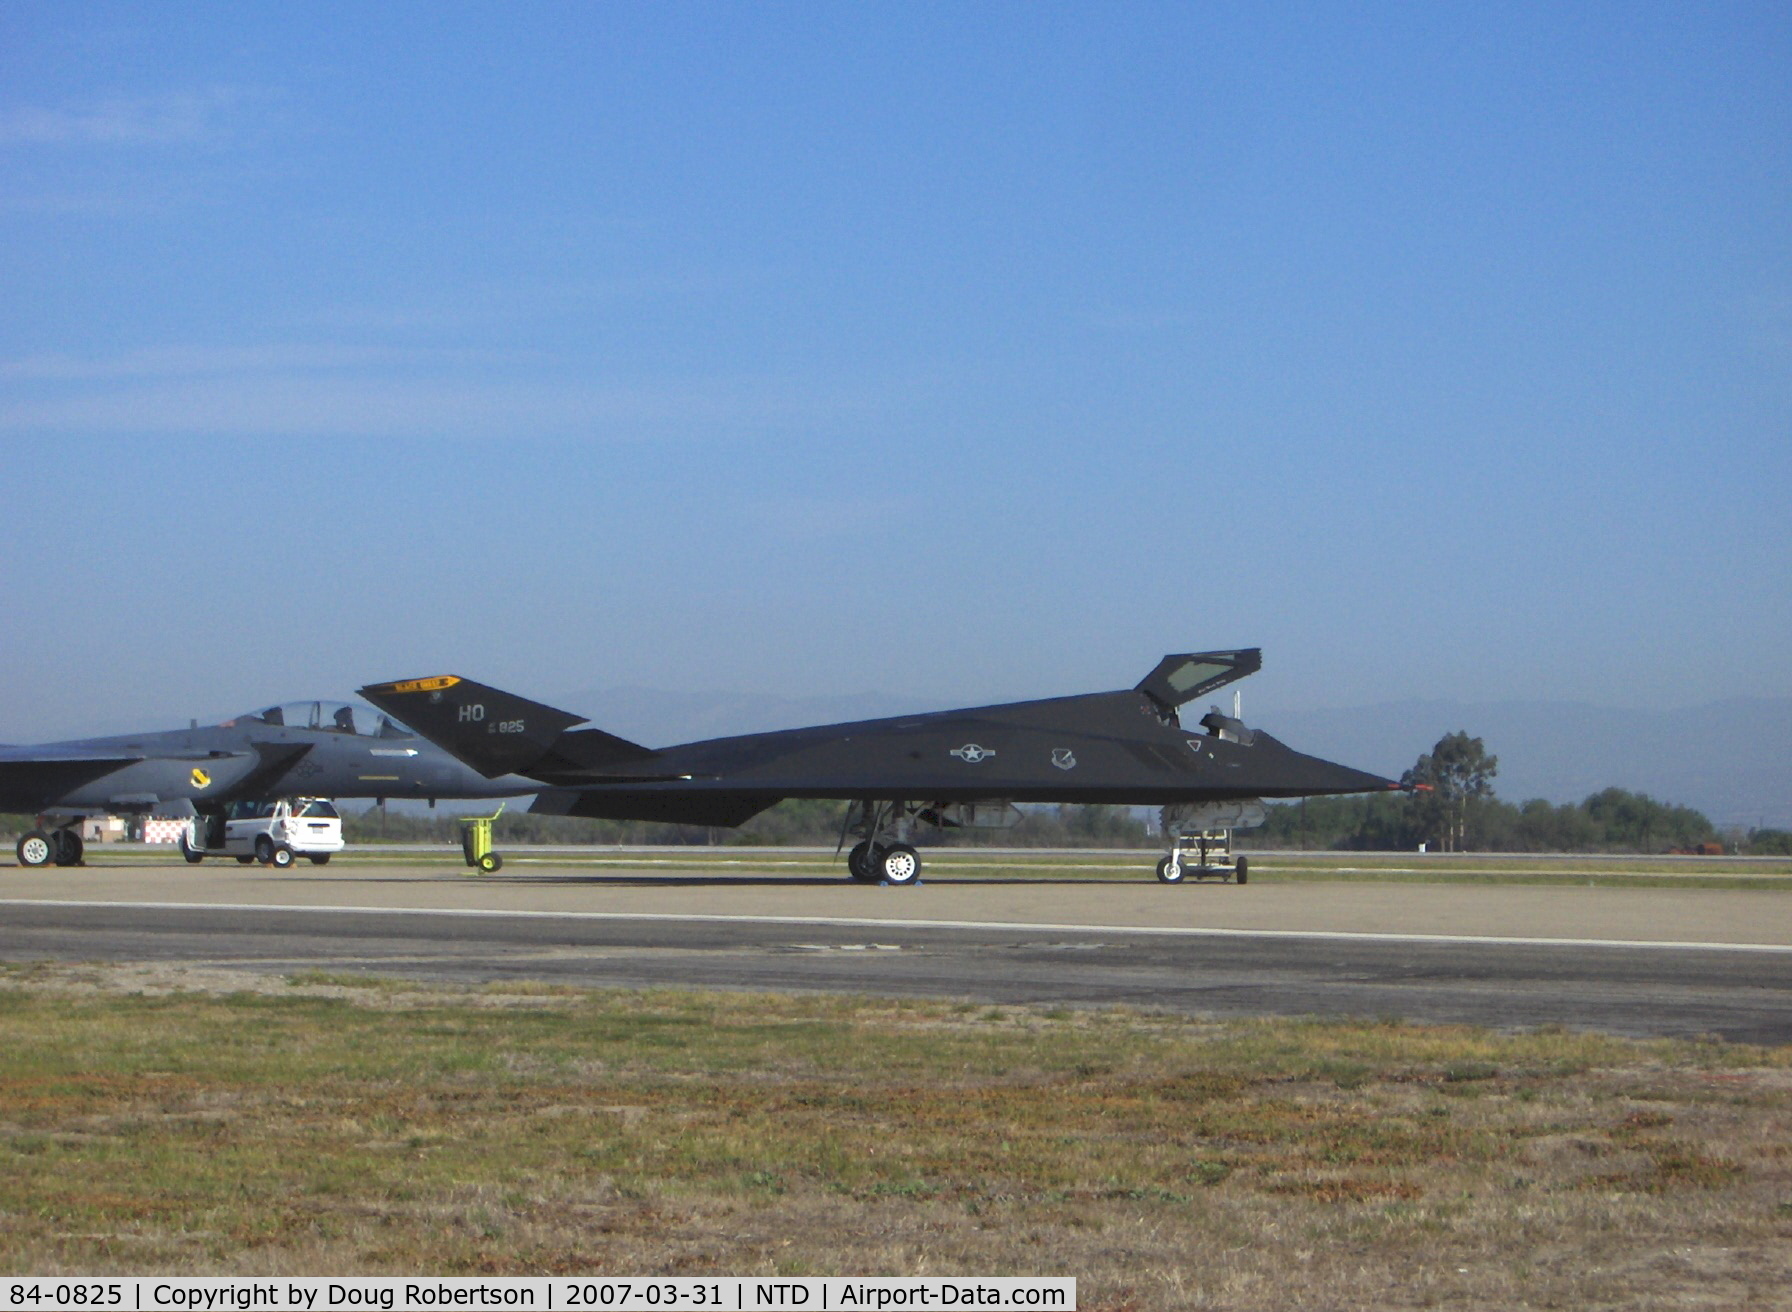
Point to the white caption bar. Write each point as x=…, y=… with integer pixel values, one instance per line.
x=539, y=1294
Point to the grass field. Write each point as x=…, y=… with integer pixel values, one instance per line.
x=161, y=1120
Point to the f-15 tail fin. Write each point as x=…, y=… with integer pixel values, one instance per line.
x=498, y=732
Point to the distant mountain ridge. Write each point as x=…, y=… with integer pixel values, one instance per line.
x=1731, y=759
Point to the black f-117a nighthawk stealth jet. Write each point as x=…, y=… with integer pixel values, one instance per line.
x=944, y=769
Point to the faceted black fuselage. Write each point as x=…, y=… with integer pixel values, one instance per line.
x=1122, y=747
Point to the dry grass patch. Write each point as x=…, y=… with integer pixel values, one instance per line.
x=325, y=1125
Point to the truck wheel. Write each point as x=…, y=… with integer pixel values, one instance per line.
x=282, y=856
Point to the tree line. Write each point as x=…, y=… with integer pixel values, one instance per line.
x=1452, y=807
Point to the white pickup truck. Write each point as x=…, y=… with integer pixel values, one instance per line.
x=273, y=833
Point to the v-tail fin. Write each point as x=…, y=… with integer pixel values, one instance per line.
x=498, y=732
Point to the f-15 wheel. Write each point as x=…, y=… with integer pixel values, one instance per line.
x=1169, y=872
x=1243, y=874
x=34, y=849
x=319, y=858
x=264, y=850
x=193, y=855
x=245, y=860
x=899, y=864
x=490, y=862
x=281, y=857
x=69, y=847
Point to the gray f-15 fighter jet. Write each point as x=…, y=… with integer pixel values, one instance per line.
x=944, y=769
x=315, y=749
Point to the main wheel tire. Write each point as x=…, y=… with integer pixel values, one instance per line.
x=1244, y=870
x=282, y=856
x=319, y=858
x=466, y=845
x=491, y=862
x=192, y=854
x=858, y=864
x=69, y=847
x=1170, y=872
x=899, y=864
x=35, y=849
x=245, y=860
x=264, y=850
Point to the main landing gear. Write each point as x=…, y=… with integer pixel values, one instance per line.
x=883, y=854
x=41, y=847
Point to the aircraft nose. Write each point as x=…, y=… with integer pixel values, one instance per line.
x=1289, y=773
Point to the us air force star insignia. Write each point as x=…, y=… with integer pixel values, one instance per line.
x=1063, y=758
x=200, y=778
x=971, y=753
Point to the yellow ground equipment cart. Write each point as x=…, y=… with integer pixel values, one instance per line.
x=476, y=841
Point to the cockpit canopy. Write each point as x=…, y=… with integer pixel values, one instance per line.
x=333, y=717
x=1180, y=679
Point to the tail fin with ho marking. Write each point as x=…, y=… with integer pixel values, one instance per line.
x=498, y=732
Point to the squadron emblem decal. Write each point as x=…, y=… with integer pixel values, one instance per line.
x=971, y=753
x=200, y=778
x=1063, y=758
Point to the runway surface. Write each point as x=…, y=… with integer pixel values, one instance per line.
x=1625, y=961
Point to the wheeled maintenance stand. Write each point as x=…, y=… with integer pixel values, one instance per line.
x=476, y=842
x=1204, y=854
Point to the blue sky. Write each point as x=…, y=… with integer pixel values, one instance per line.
x=950, y=352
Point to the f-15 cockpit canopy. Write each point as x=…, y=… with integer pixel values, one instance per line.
x=333, y=717
x=1179, y=679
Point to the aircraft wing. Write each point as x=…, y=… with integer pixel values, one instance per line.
x=36, y=779
x=32, y=778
